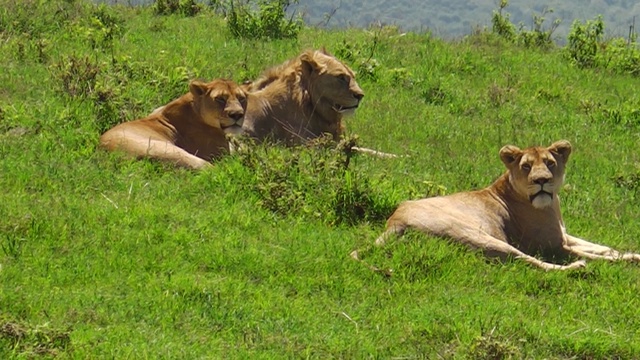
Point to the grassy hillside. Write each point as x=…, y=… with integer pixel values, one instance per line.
x=105, y=257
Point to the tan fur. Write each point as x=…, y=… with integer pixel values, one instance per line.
x=189, y=131
x=302, y=99
x=517, y=216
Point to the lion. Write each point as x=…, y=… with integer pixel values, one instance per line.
x=303, y=99
x=517, y=216
x=189, y=131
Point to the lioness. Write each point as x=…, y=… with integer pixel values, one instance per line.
x=517, y=216
x=189, y=131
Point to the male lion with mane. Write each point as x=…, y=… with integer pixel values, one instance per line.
x=517, y=216
x=189, y=131
x=302, y=99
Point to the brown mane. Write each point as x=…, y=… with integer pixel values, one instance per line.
x=301, y=99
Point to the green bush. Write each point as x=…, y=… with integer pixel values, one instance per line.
x=264, y=19
x=538, y=36
x=314, y=180
x=587, y=48
x=501, y=23
x=36, y=17
x=584, y=40
x=182, y=7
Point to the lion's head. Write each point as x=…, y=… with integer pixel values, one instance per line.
x=301, y=99
x=537, y=173
x=221, y=103
x=331, y=83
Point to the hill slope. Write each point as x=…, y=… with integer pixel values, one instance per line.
x=107, y=257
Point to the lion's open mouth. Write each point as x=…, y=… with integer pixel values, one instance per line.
x=341, y=109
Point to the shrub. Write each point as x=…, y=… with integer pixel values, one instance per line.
x=501, y=24
x=538, y=36
x=588, y=49
x=584, y=40
x=76, y=76
x=265, y=19
x=105, y=27
x=361, y=54
x=181, y=7
x=36, y=17
x=314, y=180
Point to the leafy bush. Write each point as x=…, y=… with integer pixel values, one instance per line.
x=588, y=49
x=76, y=76
x=36, y=17
x=182, y=7
x=362, y=56
x=264, y=19
x=490, y=346
x=104, y=27
x=314, y=180
x=622, y=56
x=584, y=40
x=538, y=36
x=501, y=23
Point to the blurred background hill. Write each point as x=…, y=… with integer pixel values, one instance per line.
x=455, y=18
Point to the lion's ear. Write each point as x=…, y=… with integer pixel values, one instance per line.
x=561, y=148
x=509, y=154
x=309, y=64
x=197, y=88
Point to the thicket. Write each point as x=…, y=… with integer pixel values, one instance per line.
x=587, y=45
x=537, y=36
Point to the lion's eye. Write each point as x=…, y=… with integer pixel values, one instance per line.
x=550, y=164
x=242, y=99
x=221, y=100
x=526, y=167
x=343, y=78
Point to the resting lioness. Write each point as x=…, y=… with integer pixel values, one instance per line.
x=189, y=131
x=517, y=216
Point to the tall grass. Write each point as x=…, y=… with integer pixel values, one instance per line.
x=105, y=257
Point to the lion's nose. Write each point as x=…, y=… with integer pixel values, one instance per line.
x=541, y=181
x=358, y=96
x=236, y=115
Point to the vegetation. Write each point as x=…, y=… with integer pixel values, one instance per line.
x=106, y=257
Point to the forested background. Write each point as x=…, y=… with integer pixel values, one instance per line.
x=454, y=18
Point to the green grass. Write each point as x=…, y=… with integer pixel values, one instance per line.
x=104, y=257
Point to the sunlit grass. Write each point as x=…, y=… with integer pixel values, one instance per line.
x=105, y=257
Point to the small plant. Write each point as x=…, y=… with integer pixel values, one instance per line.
x=265, y=19
x=501, y=24
x=584, y=40
x=622, y=56
x=33, y=341
x=76, y=76
x=314, y=180
x=182, y=7
x=628, y=181
x=435, y=95
x=362, y=55
x=492, y=347
x=105, y=27
x=29, y=47
x=538, y=36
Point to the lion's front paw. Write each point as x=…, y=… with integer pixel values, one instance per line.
x=576, y=265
